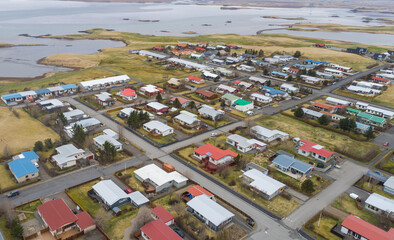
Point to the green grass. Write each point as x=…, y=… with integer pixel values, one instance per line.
x=31, y=207
x=330, y=140
x=374, y=188
x=212, y=123
x=161, y=140
x=388, y=166
x=80, y=195
x=347, y=204
x=6, y=231
x=91, y=101
x=133, y=182
x=185, y=152
x=6, y=178
x=384, y=101
x=115, y=226
x=324, y=228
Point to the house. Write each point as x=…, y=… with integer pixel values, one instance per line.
x=174, y=83
x=209, y=212
x=206, y=94
x=272, y=92
x=333, y=72
x=321, y=45
x=163, y=215
x=229, y=99
x=363, y=90
x=23, y=166
x=290, y=70
x=197, y=190
x=210, y=113
x=110, y=194
x=260, y=63
x=243, y=105
x=324, y=107
x=369, y=84
x=257, y=80
x=87, y=125
x=73, y=115
x=226, y=89
x=289, y=88
x=150, y=90
x=311, y=149
x=99, y=141
x=210, y=76
x=362, y=128
x=357, y=228
x=313, y=62
x=243, y=84
x=246, y=68
x=194, y=79
x=183, y=101
x=324, y=75
x=104, y=82
x=157, y=230
x=154, y=55
x=284, y=57
x=312, y=80
x=157, y=107
x=218, y=61
x=388, y=186
x=196, y=56
x=125, y=113
x=378, y=204
x=311, y=113
x=305, y=66
x=59, y=218
x=68, y=155
x=257, y=97
x=105, y=99
x=262, y=184
x=224, y=72
x=336, y=117
x=380, y=56
x=361, y=105
x=243, y=144
x=289, y=164
x=160, y=179
x=279, y=74
x=50, y=104
x=127, y=94
x=336, y=101
x=380, y=112
x=371, y=119
x=386, y=75
x=352, y=111
x=188, y=120
x=357, y=50
x=268, y=135
x=381, y=80
x=157, y=127
x=340, y=68
x=214, y=157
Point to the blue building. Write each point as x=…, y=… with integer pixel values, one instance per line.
x=272, y=92
x=288, y=164
x=23, y=166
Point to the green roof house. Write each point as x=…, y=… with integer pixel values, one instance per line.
x=229, y=98
x=243, y=105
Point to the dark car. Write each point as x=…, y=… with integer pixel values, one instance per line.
x=179, y=232
x=250, y=222
x=13, y=194
x=127, y=190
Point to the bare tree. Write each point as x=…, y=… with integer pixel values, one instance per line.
x=7, y=210
x=101, y=217
x=142, y=218
x=6, y=151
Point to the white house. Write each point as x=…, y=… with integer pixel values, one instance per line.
x=258, y=80
x=125, y=112
x=289, y=88
x=111, y=138
x=127, y=94
x=226, y=89
x=158, y=127
x=214, y=155
x=260, y=98
x=68, y=155
x=268, y=135
x=380, y=112
x=243, y=144
x=369, y=84
x=104, y=82
x=150, y=90
x=264, y=185
x=361, y=105
x=73, y=115
x=210, y=212
x=363, y=90
x=243, y=105
x=159, y=178
x=312, y=80
x=210, y=113
x=333, y=72
x=377, y=203
x=337, y=101
x=187, y=120
x=105, y=99
x=246, y=68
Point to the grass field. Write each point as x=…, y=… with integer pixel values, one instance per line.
x=374, y=188
x=115, y=226
x=385, y=99
x=321, y=136
x=20, y=134
x=133, y=182
x=330, y=27
x=326, y=224
x=32, y=207
x=80, y=195
x=6, y=178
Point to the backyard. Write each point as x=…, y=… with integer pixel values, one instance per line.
x=160, y=140
x=370, y=187
x=80, y=196
x=6, y=178
x=330, y=140
x=19, y=132
x=29, y=207
x=320, y=229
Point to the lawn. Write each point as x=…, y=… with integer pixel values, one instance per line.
x=387, y=166
x=80, y=195
x=328, y=139
x=115, y=226
x=385, y=99
x=185, y=152
x=20, y=133
x=347, y=204
x=91, y=101
x=373, y=188
x=324, y=228
x=213, y=123
x=6, y=231
x=160, y=140
x=6, y=178
x=132, y=181
x=31, y=207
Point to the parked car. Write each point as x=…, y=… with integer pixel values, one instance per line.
x=13, y=194
x=213, y=134
x=36, y=165
x=249, y=113
x=250, y=222
x=386, y=144
x=179, y=232
x=127, y=190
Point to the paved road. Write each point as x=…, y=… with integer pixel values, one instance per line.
x=346, y=177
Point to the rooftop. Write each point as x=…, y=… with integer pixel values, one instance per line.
x=157, y=230
x=263, y=182
x=366, y=229
x=56, y=213
x=214, y=152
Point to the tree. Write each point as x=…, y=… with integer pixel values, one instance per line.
x=16, y=229
x=108, y=153
x=311, y=73
x=307, y=186
x=48, y=143
x=261, y=53
x=38, y=146
x=137, y=118
x=192, y=105
x=325, y=83
x=265, y=72
x=8, y=211
x=159, y=98
x=268, y=82
x=297, y=54
x=62, y=118
x=299, y=113
x=290, y=78
x=79, y=134
x=369, y=133
x=177, y=104
x=323, y=120
x=249, y=63
x=142, y=218
x=6, y=151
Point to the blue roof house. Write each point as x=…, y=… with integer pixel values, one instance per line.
x=291, y=165
x=23, y=168
x=272, y=92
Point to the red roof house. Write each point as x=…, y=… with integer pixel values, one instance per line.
x=353, y=226
x=182, y=45
x=197, y=190
x=381, y=80
x=160, y=213
x=194, y=79
x=214, y=157
x=324, y=107
x=59, y=217
x=127, y=94
x=314, y=150
x=206, y=94
x=157, y=230
x=184, y=102
x=158, y=48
